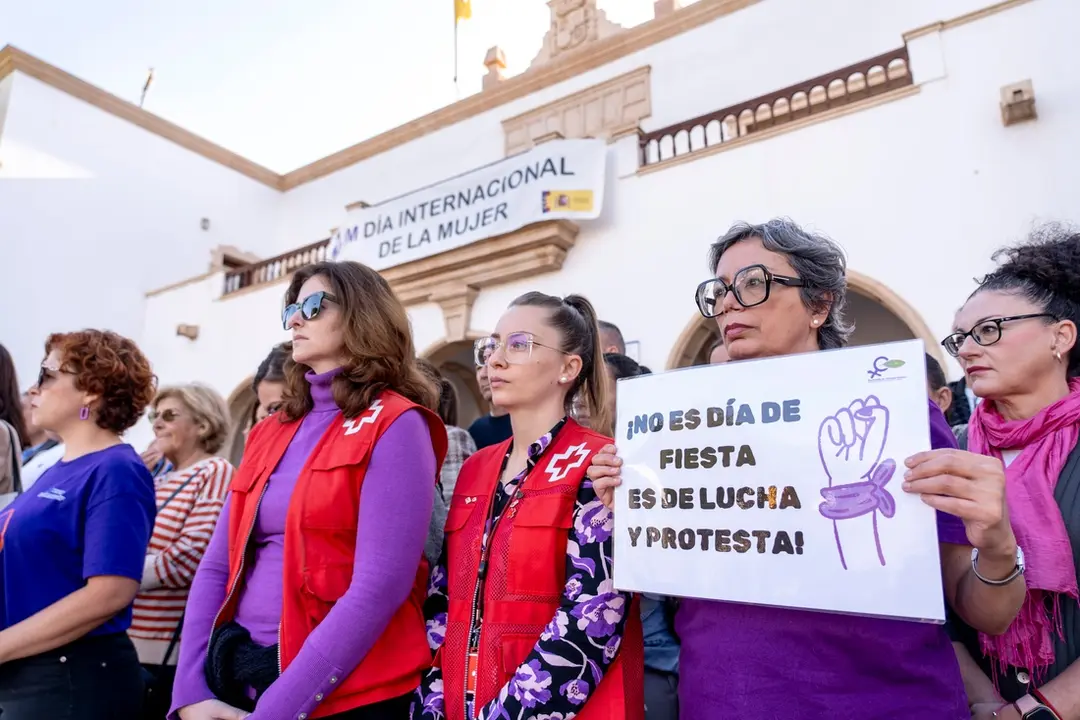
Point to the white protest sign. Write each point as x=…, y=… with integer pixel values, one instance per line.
x=560, y=179
x=778, y=482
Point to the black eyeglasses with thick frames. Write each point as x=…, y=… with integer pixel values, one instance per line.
x=751, y=286
x=309, y=307
x=985, y=332
x=517, y=348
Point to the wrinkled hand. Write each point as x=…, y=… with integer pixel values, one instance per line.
x=151, y=456
x=851, y=442
x=604, y=472
x=211, y=710
x=969, y=486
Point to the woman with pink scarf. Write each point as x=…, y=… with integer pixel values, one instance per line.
x=1016, y=340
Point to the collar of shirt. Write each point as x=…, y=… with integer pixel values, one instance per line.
x=536, y=449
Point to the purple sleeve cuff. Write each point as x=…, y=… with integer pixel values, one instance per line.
x=949, y=527
x=204, y=601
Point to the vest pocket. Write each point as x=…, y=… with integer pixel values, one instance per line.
x=513, y=649
x=328, y=582
x=537, y=557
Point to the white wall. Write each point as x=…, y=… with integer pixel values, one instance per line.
x=765, y=47
x=95, y=211
x=5, y=95
x=919, y=191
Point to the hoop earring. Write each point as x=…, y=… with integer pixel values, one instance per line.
x=84, y=413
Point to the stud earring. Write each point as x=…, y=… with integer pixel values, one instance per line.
x=816, y=323
x=562, y=380
x=1058, y=356
x=84, y=413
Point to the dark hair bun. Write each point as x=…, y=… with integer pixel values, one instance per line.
x=1049, y=258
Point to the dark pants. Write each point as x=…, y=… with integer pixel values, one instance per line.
x=392, y=709
x=97, y=678
x=661, y=695
x=158, y=691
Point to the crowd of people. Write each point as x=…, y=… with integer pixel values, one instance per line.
x=369, y=559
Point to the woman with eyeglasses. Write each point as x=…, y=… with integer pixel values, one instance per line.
x=191, y=423
x=779, y=290
x=72, y=551
x=1016, y=339
x=308, y=602
x=522, y=610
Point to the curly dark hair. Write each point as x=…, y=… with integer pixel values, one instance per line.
x=1045, y=269
x=110, y=366
x=378, y=344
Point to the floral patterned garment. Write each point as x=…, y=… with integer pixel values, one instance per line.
x=576, y=647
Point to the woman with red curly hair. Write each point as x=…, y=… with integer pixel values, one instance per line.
x=72, y=551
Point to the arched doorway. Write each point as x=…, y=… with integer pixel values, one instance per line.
x=242, y=403
x=455, y=362
x=879, y=314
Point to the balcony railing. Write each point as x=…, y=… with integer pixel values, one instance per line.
x=267, y=271
x=846, y=86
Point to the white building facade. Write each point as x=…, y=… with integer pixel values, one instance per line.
x=921, y=135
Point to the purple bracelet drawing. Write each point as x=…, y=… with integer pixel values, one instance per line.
x=850, y=445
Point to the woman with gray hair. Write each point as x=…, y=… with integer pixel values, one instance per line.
x=780, y=290
x=191, y=423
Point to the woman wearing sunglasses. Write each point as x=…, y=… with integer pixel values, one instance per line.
x=308, y=601
x=1016, y=340
x=72, y=551
x=191, y=423
x=521, y=607
x=779, y=290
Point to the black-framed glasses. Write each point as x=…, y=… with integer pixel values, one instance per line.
x=309, y=307
x=45, y=375
x=517, y=348
x=751, y=286
x=985, y=332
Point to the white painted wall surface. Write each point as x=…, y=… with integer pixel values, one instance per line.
x=95, y=211
x=762, y=48
x=919, y=191
x=5, y=97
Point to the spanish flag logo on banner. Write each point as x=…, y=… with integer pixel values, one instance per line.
x=462, y=10
x=567, y=200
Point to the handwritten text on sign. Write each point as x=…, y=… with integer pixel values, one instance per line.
x=561, y=179
x=785, y=494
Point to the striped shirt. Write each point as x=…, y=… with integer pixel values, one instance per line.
x=181, y=531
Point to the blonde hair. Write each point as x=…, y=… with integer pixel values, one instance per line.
x=208, y=410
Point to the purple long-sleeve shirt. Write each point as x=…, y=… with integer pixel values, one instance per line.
x=389, y=544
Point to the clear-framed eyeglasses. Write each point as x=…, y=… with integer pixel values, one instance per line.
x=985, y=332
x=751, y=286
x=517, y=348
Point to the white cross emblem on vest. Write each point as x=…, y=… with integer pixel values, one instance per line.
x=561, y=465
x=353, y=426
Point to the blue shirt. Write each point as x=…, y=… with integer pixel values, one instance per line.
x=87, y=517
x=661, y=647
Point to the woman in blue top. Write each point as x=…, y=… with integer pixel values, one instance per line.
x=72, y=549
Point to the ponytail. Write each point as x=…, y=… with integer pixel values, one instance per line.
x=575, y=319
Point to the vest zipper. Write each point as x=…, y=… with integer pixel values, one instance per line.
x=240, y=573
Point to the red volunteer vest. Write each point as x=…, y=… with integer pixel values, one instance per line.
x=525, y=578
x=320, y=546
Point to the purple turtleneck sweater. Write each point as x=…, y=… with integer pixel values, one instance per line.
x=389, y=544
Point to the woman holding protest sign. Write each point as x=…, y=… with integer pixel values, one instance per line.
x=779, y=290
x=1016, y=340
x=521, y=606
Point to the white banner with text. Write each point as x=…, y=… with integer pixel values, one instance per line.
x=560, y=179
x=778, y=482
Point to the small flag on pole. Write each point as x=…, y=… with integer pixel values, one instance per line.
x=146, y=86
x=462, y=10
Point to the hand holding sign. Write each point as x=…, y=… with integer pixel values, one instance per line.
x=604, y=473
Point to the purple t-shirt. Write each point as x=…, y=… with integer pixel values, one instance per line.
x=749, y=661
x=83, y=518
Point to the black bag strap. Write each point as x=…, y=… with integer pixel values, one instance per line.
x=16, y=461
x=172, y=642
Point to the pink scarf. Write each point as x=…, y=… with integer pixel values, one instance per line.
x=1046, y=440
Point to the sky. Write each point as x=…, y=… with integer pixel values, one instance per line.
x=284, y=83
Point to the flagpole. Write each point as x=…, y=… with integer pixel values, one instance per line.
x=456, y=89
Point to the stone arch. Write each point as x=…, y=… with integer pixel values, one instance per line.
x=241, y=402
x=454, y=358
x=894, y=319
